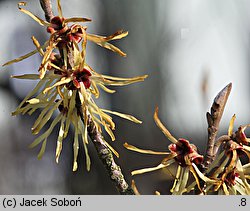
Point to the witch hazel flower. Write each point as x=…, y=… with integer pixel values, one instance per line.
x=227, y=169
x=67, y=85
x=182, y=153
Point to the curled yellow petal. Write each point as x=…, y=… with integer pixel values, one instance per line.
x=178, y=173
x=88, y=161
x=243, y=178
x=202, y=176
x=221, y=167
x=61, y=82
x=104, y=88
x=112, y=149
x=134, y=188
x=45, y=119
x=34, y=17
x=106, y=120
x=118, y=35
x=138, y=78
x=85, y=132
x=196, y=179
x=133, y=148
x=112, y=48
x=76, y=148
x=44, y=111
x=163, y=128
x=124, y=116
x=42, y=150
x=97, y=38
x=20, y=58
x=231, y=125
x=103, y=41
x=145, y=170
x=240, y=187
x=182, y=181
x=35, y=107
x=83, y=52
x=31, y=93
x=109, y=131
x=70, y=111
x=59, y=8
x=60, y=139
x=26, y=76
x=104, y=44
x=38, y=46
x=94, y=90
x=225, y=189
x=45, y=61
x=215, y=162
x=47, y=133
x=76, y=19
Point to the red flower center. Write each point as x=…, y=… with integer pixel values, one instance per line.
x=82, y=76
x=56, y=24
x=185, y=151
x=76, y=33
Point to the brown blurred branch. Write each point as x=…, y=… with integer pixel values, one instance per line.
x=213, y=120
x=47, y=8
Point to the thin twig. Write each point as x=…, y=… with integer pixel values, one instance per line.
x=102, y=149
x=47, y=8
x=213, y=120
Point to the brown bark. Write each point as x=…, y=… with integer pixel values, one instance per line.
x=47, y=8
x=213, y=120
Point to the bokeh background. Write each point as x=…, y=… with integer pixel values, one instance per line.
x=190, y=50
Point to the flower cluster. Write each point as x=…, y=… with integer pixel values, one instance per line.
x=226, y=175
x=228, y=169
x=182, y=153
x=68, y=84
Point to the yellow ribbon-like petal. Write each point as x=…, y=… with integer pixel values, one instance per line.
x=124, y=116
x=145, y=170
x=133, y=148
x=163, y=128
x=34, y=17
x=42, y=150
x=76, y=19
x=231, y=125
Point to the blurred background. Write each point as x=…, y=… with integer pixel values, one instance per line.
x=189, y=50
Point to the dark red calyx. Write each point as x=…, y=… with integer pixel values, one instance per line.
x=232, y=145
x=76, y=33
x=185, y=151
x=240, y=136
x=80, y=76
x=56, y=24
